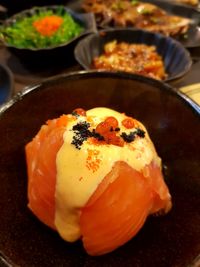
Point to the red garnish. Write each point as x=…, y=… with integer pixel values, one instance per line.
x=128, y=123
x=107, y=130
x=48, y=25
x=112, y=121
x=80, y=111
x=103, y=127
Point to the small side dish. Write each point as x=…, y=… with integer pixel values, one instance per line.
x=136, y=51
x=135, y=58
x=44, y=28
x=133, y=13
x=95, y=175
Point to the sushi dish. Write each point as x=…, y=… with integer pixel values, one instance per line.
x=95, y=175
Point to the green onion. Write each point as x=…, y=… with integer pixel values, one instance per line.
x=22, y=33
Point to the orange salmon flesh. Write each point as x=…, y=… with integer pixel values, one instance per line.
x=114, y=213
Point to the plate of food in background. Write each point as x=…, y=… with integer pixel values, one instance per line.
x=173, y=20
x=134, y=51
x=45, y=33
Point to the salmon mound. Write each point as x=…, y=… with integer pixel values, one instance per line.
x=123, y=199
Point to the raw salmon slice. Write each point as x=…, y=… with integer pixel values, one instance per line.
x=115, y=215
x=41, y=161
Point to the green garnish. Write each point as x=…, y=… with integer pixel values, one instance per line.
x=23, y=33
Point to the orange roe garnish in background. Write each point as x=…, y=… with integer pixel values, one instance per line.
x=48, y=25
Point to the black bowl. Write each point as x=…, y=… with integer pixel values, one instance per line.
x=51, y=54
x=6, y=84
x=176, y=58
x=174, y=126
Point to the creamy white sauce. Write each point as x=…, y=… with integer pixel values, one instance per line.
x=79, y=172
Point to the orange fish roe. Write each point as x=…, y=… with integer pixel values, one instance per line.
x=48, y=25
x=128, y=123
x=108, y=129
x=79, y=111
x=92, y=160
x=112, y=121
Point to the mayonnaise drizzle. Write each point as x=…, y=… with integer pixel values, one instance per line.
x=79, y=172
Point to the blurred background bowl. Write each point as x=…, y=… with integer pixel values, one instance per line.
x=176, y=58
x=6, y=84
x=50, y=54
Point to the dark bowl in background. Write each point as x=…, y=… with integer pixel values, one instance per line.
x=174, y=126
x=6, y=84
x=176, y=58
x=53, y=54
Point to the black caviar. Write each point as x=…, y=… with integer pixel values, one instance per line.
x=128, y=138
x=82, y=133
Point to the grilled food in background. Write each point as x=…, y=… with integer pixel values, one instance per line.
x=125, y=13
